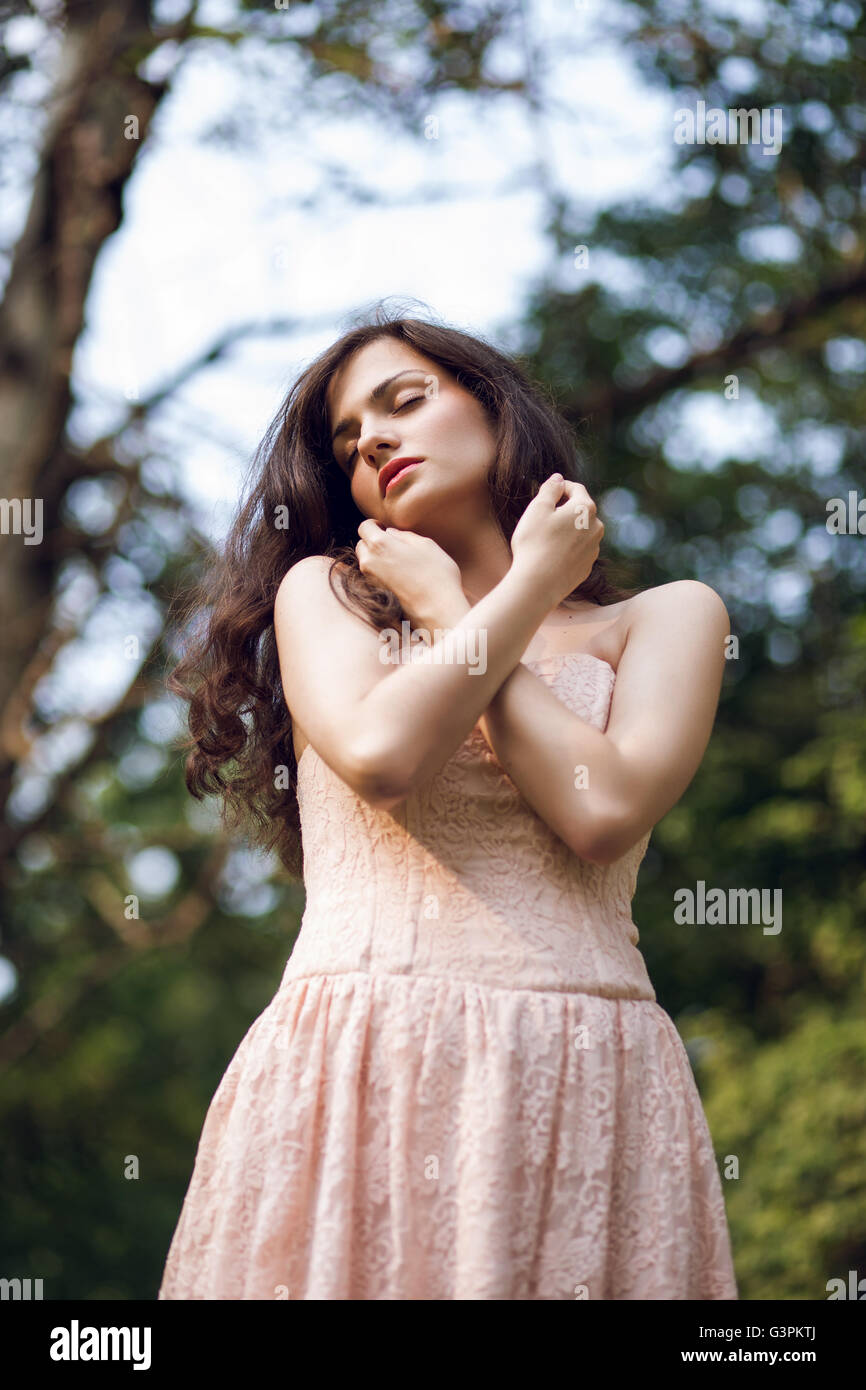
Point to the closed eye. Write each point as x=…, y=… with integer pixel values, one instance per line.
x=411, y=401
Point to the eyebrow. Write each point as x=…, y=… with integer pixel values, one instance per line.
x=376, y=395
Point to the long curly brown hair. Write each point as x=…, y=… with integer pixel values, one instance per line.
x=298, y=503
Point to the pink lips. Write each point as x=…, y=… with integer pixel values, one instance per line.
x=393, y=475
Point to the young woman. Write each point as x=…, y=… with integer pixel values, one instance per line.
x=464, y=1087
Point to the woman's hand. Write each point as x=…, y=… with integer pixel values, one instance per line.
x=555, y=547
x=424, y=578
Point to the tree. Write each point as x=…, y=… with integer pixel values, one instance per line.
x=111, y=988
x=708, y=346
x=722, y=391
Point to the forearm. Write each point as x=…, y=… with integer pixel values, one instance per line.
x=569, y=772
x=413, y=721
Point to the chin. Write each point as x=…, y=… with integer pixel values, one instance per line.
x=407, y=513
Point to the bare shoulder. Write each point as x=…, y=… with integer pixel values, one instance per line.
x=683, y=600
x=312, y=615
x=672, y=667
x=307, y=584
x=305, y=574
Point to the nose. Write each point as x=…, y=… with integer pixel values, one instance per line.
x=378, y=438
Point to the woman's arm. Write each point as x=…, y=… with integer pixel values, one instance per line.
x=664, y=705
x=383, y=728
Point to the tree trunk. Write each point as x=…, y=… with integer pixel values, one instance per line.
x=86, y=159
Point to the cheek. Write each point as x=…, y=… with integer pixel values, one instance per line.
x=464, y=430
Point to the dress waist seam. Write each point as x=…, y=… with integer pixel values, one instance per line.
x=288, y=979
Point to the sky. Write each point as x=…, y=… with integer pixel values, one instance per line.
x=217, y=236
x=220, y=231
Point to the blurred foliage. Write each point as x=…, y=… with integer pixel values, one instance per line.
x=743, y=265
x=748, y=266
x=793, y=1113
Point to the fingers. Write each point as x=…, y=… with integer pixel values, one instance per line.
x=556, y=485
x=575, y=490
x=578, y=504
x=372, y=535
x=368, y=530
x=373, y=541
x=549, y=492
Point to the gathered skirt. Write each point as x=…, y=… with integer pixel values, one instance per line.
x=385, y=1136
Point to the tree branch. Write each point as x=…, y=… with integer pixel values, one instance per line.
x=769, y=329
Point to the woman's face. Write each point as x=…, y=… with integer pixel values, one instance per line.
x=422, y=414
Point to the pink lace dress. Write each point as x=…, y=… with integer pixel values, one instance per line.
x=463, y=1087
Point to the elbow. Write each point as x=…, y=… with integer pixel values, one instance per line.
x=377, y=774
x=600, y=854
x=610, y=844
x=602, y=842
x=592, y=851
